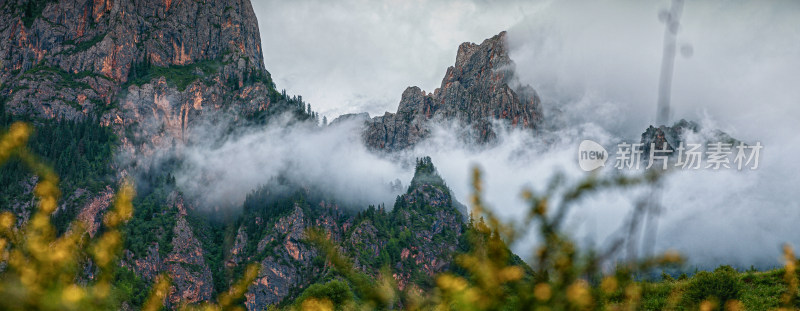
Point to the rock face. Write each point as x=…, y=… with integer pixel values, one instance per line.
x=72, y=59
x=280, y=271
x=478, y=89
x=671, y=137
x=191, y=277
x=185, y=263
x=666, y=137
x=90, y=214
x=362, y=117
x=287, y=262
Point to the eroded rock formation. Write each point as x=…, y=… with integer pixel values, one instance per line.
x=479, y=88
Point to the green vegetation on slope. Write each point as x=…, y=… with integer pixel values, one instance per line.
x=74, y=271
x=180, y=76
x=152, y=222
x=80, y=152
x=32, y=9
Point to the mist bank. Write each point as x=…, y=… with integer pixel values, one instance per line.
x=728, y=216
x=713, y=217
x=332, y=160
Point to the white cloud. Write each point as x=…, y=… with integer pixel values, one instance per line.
x=332, y=160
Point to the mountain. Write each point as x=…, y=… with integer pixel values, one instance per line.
x=153, y=68
x=479, y=88
x=104, y=78
x=100, y=79
x=671, y=137
x=417, y=238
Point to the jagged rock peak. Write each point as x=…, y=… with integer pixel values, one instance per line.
x=479, y=88
x=362, y=117
x=670, y=137
x=667, y=136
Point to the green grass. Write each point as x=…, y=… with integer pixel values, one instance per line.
x=32, y=10
x=85, y=45
x=180, y=76
x=760, y=291
x=763, y=290
x=67, y=79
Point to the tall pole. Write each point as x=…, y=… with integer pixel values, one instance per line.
x=672, y=21
x=653, y=203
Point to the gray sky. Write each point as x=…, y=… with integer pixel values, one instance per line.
x=359, y=55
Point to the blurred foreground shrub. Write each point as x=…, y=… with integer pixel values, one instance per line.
x=42, y=271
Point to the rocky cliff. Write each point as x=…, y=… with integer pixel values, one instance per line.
x=671, y=137
x=479, y=88
x=154, y=65
x=149, y=70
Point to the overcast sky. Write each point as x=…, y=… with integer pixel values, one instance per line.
x=359, y=55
